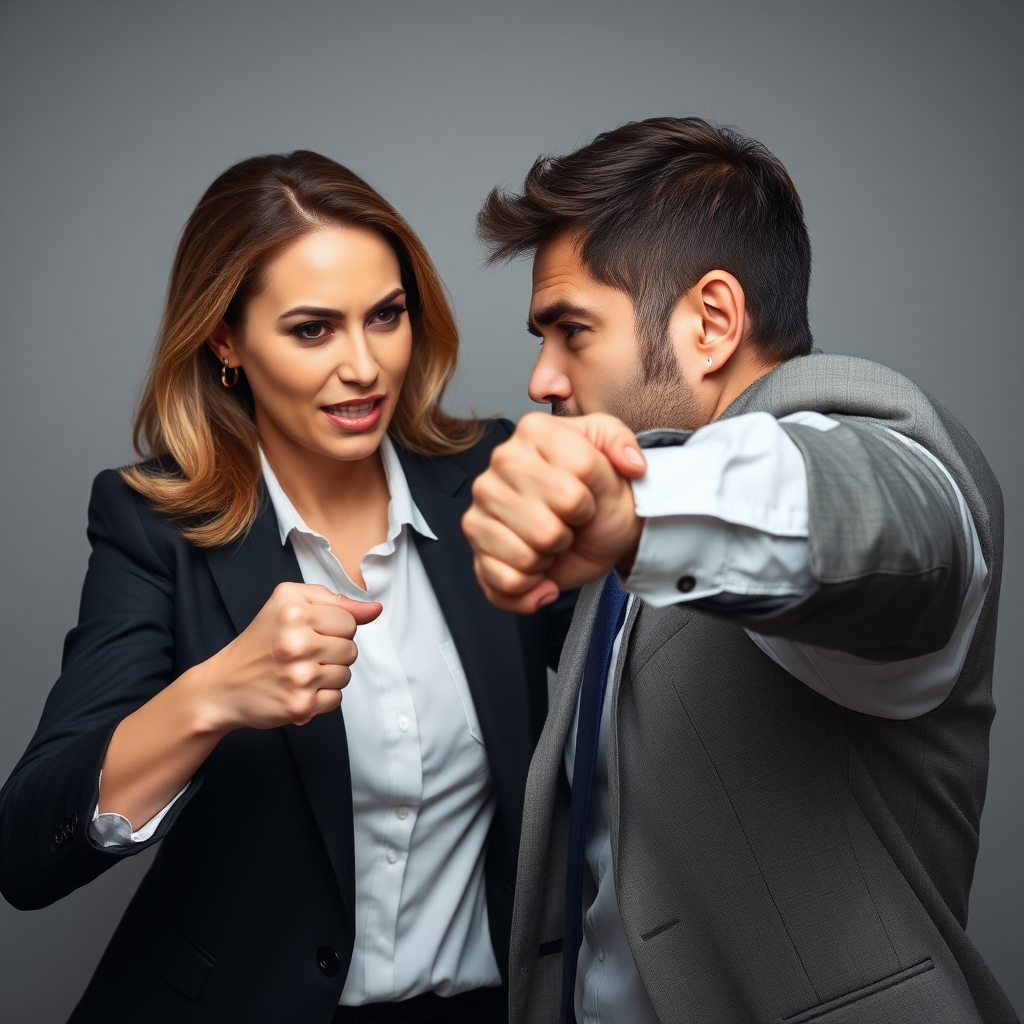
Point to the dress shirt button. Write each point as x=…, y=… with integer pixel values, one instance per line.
x=600, y=953
x=685, y=584
x=327, y=960
x=403, y=723
x=402, y=813
x=392, y=856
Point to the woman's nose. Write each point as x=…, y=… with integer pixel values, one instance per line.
x=356, y=364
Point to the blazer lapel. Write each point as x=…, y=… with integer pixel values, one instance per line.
x=486, y=637
x=246, y=574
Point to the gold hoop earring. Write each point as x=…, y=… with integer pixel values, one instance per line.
x=224, y=375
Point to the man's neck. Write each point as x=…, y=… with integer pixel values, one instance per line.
x=745, y=367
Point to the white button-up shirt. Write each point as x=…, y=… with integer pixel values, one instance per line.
x=422, y=796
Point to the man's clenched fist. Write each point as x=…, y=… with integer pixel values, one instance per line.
x=555, y=508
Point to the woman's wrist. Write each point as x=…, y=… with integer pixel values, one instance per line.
x=208, y=713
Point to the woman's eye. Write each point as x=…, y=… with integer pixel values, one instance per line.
x=388, y=315
x=314, y=330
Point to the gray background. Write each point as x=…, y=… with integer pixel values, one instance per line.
x=900, y=123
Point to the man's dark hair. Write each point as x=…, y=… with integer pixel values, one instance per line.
x=659, y=203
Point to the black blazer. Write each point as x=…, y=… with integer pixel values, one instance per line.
x=248, y=912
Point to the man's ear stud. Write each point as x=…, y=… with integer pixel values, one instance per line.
x=708, y=360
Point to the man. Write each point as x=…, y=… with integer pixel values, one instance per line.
x=757, y=794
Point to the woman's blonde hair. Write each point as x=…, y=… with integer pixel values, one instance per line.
x=247, y=216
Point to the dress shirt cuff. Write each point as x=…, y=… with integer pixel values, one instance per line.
x=111, y=829
x=726, y=513
x=745, y=470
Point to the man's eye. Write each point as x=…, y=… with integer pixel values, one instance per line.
x=314, y=330
x=571, y=330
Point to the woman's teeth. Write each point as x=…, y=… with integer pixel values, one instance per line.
x=352, y=412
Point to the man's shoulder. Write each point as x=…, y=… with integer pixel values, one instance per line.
x=860, y=392
x=851, y=388
x=833, y=384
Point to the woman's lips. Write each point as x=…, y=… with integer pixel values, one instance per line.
x=355, y=417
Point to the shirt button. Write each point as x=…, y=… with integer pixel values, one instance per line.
x=600, y=953
x=685, y=584
x=403, y=723
x=392, y=856
x=402, y=813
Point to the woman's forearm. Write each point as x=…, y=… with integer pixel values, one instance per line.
x=288, y=665
x=157, y=749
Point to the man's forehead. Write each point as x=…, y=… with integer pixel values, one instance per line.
x=559, y=276
x=558, y=262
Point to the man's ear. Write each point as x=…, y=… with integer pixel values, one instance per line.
x=223, y=344
x=713, y=318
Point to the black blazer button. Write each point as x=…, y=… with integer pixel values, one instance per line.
x=685, y=584
x=328, y=961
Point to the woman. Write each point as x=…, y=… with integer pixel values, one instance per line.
x=301, y=499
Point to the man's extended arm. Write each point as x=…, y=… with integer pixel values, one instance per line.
x=844, y=549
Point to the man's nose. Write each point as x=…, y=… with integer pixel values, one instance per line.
x=548, y=384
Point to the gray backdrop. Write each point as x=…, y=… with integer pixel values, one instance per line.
x=900, y=123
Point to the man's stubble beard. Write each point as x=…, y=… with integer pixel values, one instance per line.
x=649, y=403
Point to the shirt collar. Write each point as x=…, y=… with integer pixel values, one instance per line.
x=402, y=509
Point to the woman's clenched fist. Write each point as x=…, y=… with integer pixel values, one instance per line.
x=290, y=664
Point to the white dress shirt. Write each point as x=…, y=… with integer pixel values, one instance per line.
x=422, y=796
x=730, y=509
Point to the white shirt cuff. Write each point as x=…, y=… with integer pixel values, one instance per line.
x=726, y=512
x=111, y=829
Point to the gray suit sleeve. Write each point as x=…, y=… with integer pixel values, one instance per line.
x=887, y=549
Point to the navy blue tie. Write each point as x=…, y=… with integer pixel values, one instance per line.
x=611, y=610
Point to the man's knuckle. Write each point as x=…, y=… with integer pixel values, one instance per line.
x=501, y=458
x=479, y=490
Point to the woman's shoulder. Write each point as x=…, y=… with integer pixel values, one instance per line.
x=111, y=489
x=471, y=461
x=118, y=512
x=456, y=469
x=493, y=432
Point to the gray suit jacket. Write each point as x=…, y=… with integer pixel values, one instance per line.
x=778, y=857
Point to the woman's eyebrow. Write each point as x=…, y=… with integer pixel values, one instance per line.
x=388, y=299
x=319, y=311
x=327, y=313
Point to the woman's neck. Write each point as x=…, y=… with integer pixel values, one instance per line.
x=345, y=501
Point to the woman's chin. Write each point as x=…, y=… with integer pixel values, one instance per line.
x=353, y=446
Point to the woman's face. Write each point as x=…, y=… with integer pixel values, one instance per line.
x=326, y=344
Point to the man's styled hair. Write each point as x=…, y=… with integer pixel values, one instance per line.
x=657, y=204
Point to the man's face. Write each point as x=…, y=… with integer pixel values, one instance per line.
x=590, y=353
